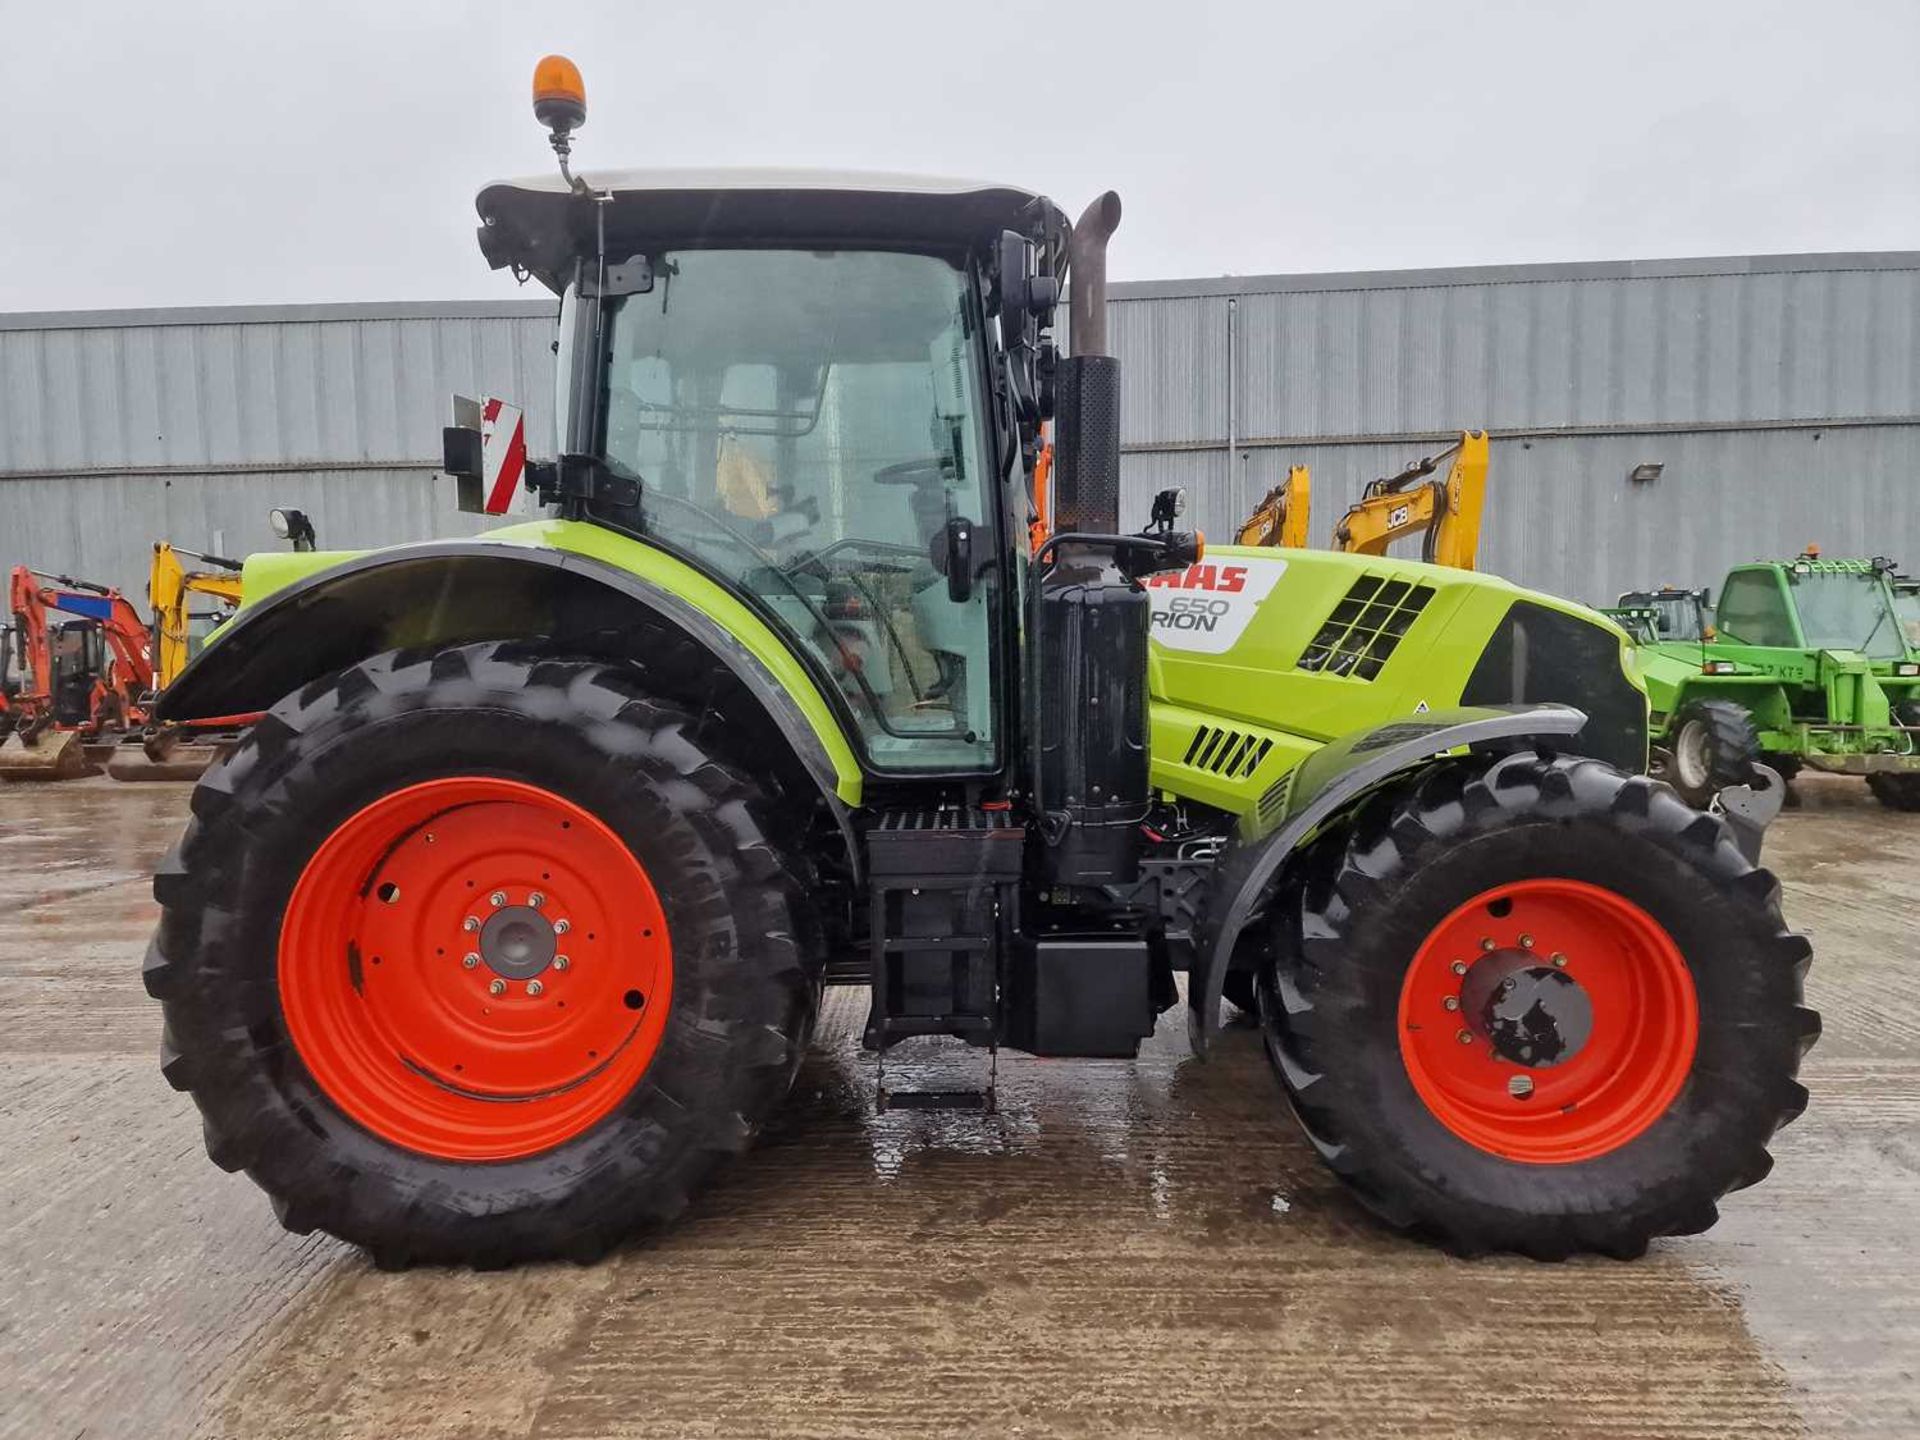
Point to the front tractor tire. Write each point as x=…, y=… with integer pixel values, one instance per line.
x=480, y=956
x=1537, y=1005
x=1899, y=789
x=1715, y=745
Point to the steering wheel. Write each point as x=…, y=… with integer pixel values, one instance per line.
x=912, y=472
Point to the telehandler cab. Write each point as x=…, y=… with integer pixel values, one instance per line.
x=508, y=922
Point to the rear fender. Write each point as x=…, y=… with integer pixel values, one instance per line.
x=463, y=591
x=1324, y=785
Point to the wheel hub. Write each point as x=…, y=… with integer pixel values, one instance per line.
x=517, y=942
x=1531, y=1014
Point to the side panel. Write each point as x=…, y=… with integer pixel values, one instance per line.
x=1261, y=656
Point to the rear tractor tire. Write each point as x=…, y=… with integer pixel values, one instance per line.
x=479, y=956
x=1534, y=1004
x=1715, y=745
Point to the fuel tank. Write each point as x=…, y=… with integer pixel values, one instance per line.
x=1093, y=729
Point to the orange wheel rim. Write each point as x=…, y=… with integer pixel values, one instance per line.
x=475, y=968
x=1548, y=1021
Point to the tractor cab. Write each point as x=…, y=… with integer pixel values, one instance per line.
x=814, y=388
x=1667, y=615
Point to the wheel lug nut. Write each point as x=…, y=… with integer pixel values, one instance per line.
x=1520, y=1086
x=1560, y=962
x=1459, y=967
x=534, y=987
x=470, y=960
x=1452, y=1002
x=496, y=986
x=1465, y=1037
x=1526, y=942
x=497, y=899
x=536, y=899
x=561, y=962
x=472, y=922
x=1487, y=944
x=560, y=927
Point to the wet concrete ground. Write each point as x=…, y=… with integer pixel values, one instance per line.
x=1127, y=1249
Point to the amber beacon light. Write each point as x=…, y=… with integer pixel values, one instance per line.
x=559, y=95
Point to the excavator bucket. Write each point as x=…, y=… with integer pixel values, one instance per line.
x=168, y=754
x=54, y=755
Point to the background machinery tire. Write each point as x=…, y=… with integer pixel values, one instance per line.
x=452, y=823
x=1714, y=745
x=1411, y=945
x=1899, y=791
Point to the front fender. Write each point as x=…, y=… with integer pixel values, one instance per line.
x=459, y=591
x=1323, y=785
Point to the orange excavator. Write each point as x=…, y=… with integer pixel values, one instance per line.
x=82, y=680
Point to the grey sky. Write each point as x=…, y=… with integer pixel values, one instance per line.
x=203, y=153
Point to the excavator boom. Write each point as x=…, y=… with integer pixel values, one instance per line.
x=169, y=587
x=1280, y=519
x=1445, y=512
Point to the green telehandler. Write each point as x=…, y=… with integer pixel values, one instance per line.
x=509, y=921
x=1805, y=664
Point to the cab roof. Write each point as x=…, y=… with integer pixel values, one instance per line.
x=540, y=224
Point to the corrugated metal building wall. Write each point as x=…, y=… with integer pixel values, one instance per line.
x=120, y=428
x=1781, y=394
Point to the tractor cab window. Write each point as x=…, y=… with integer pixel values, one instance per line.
x=1848, y=610
x=1906, y=609
x=1753, y=610
x=1678, y=617
x=807, y=424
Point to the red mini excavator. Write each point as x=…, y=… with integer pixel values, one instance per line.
x=81, y=679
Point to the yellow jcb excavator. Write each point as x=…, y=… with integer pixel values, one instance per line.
x=170, y=586
x=172, y=752
x=1445, y=512
x=1281, y=518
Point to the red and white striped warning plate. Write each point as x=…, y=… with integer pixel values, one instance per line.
x=503, y=453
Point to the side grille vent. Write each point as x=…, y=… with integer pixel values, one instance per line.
x=1232, y=753
x=1273, y=804
x=1365, y=627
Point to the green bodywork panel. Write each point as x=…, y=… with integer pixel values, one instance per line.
x=1831, y=709
x=1273, y=712
x=263, y=574
x=1233, y=710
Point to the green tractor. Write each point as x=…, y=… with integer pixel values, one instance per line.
x=1806, y=664
x=508, y=922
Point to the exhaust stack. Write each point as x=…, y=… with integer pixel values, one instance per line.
x=1087, y=269
x=1086, y=459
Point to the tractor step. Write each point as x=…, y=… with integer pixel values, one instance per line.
x=943, y=890
x=981, y=1100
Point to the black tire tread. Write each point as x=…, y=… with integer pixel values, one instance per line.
x=1733, y=747
x=202, y=886
x=1353, y=868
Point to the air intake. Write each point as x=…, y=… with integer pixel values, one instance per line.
x=1233, y=753
x=1365, y=627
